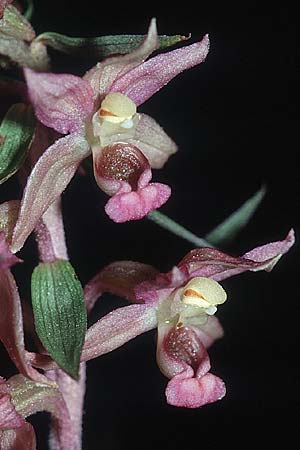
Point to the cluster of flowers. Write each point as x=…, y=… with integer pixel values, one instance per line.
x=98, y=114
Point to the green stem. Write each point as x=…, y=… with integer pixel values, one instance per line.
x=170, y=225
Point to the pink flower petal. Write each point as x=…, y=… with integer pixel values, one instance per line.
x=105, y=73
x=142, y=82
x=18, y=439
x=44, y=397
x=118, y=278
x=160, y=287
x=181, y=356
x=8, y=216
x=136, y=205
x=61, y=101
x=123, y=170
x=11, y=326
x=117, y=328
x=185, y=391
x=219, y=266
x=210, y=331
x=50, y=176
x=153, y=142
x=9, y=418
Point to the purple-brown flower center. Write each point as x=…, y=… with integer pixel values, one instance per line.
x=182, y=343
x=123, y=162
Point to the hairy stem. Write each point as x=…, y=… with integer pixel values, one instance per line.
x=51, y=242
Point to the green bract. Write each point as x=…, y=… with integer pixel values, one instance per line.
x=101, y=46
x=59, y=313
x=16, y=133
x=15, y=25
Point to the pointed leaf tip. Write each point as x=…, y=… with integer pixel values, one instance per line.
x=226, y=231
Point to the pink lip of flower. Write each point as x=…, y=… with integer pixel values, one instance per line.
x=68, y=103
x=183, y=335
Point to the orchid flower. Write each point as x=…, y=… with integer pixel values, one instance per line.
x=181, y=304
x=21, y=397
x=98, y=113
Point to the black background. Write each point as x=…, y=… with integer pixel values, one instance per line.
x=235, y=121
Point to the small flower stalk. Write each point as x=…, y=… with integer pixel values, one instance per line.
x=61, y=121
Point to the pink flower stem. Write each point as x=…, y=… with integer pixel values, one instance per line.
x=50, y=237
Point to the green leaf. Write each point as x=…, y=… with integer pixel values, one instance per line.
x=16, y=133
x=226, y=231
x=101, y=46
x=59, y=313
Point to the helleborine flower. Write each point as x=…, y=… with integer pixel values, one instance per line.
x=180, y=304
x=100, y=114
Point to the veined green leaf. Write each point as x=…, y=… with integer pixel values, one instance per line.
x=101, y=46
x=59, y=313
x=230, y=227
x=16, y=133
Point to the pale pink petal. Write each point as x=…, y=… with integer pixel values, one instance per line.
x=210, y=331
x=153, y=142
x=7, y=258
x=61, y=101
x=212, y=263
x=31, y=397
x=142, y=82
x=18, y=439
x=160, y=287
x=105, y=73
x=185, y=391
x=273, y=250
x=11, y=326
x=136, y=205
x=117, y=328
x=49, y=178
x=118, y=278
x=8, y=216
x=9, y=417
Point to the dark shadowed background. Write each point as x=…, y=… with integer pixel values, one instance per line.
x=235, y=121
